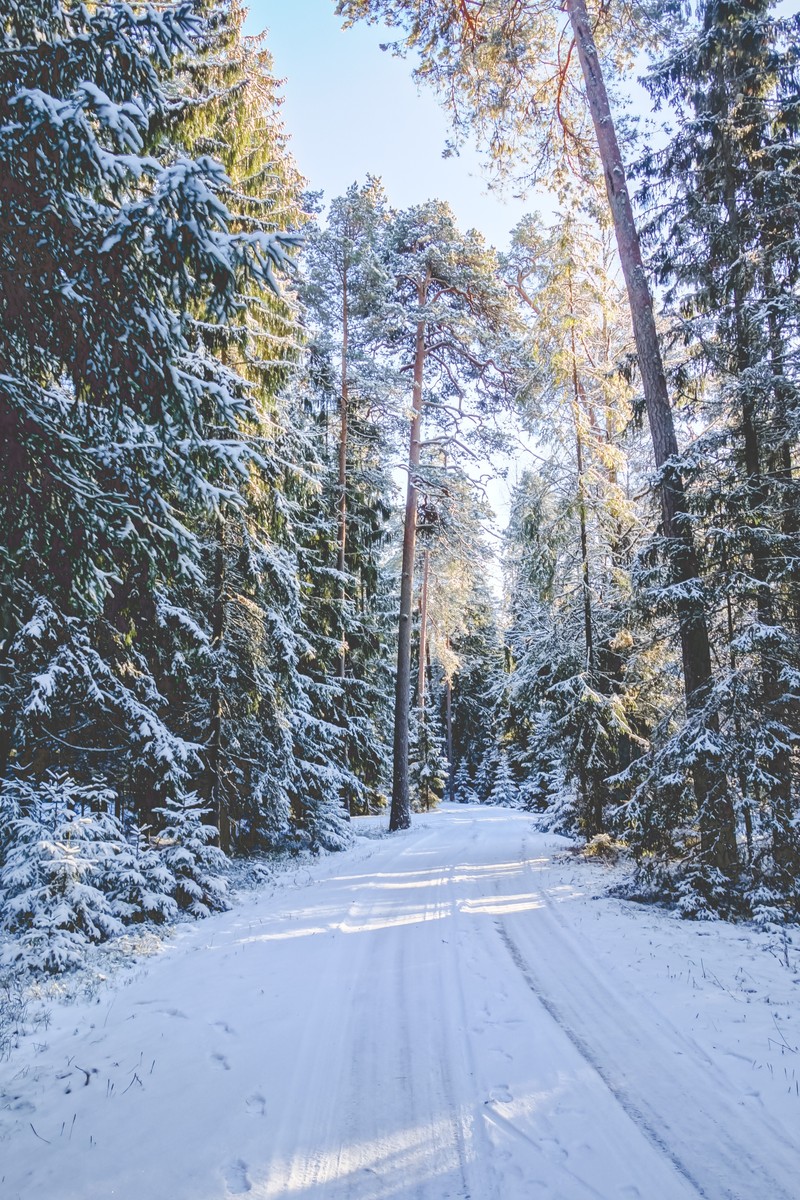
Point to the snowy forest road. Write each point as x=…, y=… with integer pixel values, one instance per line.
x=447, y=1013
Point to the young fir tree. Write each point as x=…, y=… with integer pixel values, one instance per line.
x=428, y=766
x=52, y=894
x=505, y=791
x=463, y=791
x=72, y=875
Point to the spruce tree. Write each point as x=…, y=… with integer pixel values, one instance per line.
x=729, y=213
x=348, y=388
x=463, y=791
x=122, y=428
x=505, y=792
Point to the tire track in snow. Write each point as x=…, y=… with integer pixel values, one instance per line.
x=369, y=1030
x=452, y=1047
x=486, y=1187
x=586, y=1053
x=549, y=1149
x=327, y=1024
x=746, y=1177
x=431, y=1049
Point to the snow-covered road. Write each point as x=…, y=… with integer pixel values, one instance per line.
x=445, y=1013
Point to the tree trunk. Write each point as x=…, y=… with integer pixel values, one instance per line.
x=590, y=783
x=214, y=744
x=716, y=815
x=747, y=811
x=448, y=727
x=400, y=817
x=758, y=496
x=343, y=409
x=782, y=461
x=585, y=573
x=341, y=556
x=423, y=631
x=784, y=835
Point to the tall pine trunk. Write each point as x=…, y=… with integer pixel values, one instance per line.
x=758, y=497
x=341, y=556
x=716, y=815
x=423, y=632
x=781, y=462
x=214, y=743
x=590, y=783
x=400, y=817
x=784, y=834
x=448, y=726
x=341, y=553
x=582, y=513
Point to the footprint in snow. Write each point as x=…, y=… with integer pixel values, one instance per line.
x=236, y=1177
x=500, y=1095
x=225, y=1027
x=554, y=1148
x=219, y=1060
x=256, y=1105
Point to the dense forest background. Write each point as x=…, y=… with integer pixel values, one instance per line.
x=246, y=588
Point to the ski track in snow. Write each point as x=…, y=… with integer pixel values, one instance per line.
x=446, y=1014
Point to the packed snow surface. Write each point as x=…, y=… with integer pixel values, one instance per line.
x=454, y=1011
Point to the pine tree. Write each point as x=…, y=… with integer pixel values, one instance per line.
x=449, y=314
x=461, y=652
x=493, y=67
x=343, y=279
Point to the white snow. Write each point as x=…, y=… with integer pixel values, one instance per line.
x=450, y=1012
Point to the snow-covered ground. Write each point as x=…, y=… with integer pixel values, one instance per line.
x=456, y=1011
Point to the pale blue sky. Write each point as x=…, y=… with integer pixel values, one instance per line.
x=352, y=109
